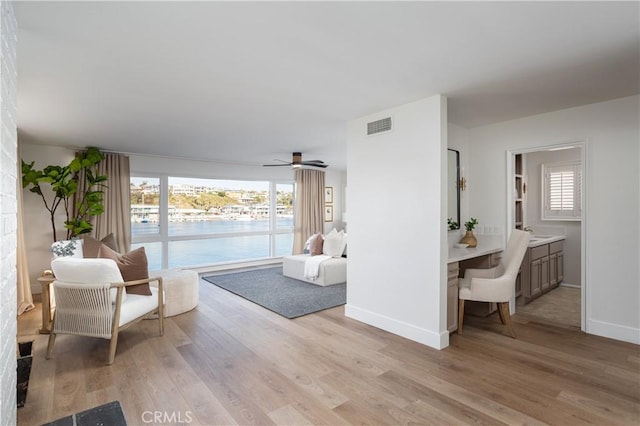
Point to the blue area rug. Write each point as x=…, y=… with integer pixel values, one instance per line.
x=108, y=414
x=286, y=296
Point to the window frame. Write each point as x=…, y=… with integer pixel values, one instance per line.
x=165, y=239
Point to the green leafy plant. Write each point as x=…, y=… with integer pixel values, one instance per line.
x=453, y=225
x=64, y=182
x=470, y=224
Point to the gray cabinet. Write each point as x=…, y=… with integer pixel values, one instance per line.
x=556, y=263
x=542, y=270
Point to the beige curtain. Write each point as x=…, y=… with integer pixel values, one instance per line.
x=116, y=218
x=309, y=206
x=25, y=298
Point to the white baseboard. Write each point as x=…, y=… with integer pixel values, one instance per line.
x=614, y=331
x=401, y=328
x=563, y=284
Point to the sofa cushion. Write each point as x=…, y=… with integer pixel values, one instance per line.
x=91, y=246
x=309, y=243
x=317, y=245
x=334, y=244
x=133, y=266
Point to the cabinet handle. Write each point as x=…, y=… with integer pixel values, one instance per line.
x=524, y=188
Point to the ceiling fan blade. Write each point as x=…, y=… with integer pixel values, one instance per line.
x=297, y=162
x=315, y=164
x=276, y=165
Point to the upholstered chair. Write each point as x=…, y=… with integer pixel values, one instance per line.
x=91, y=301
x=495, y=284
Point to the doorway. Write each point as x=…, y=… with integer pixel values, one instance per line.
x=552, y=280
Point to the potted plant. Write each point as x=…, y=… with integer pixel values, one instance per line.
x=469, y=238
x=65, y=184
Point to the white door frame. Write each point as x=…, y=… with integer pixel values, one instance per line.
x=582, y=144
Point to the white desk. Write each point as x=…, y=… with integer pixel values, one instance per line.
x=487, y=244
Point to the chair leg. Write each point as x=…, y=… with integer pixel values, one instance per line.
x=112, y=346
x=161, y=321
x=504, y=307
x=460, y=315
x=52, y=339
x=500, y=315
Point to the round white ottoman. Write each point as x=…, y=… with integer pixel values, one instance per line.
x=180, y=290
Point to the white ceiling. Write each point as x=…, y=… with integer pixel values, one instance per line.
x=245, y=83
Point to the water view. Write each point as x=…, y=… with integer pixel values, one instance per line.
x=209, y=251
x=211, y=221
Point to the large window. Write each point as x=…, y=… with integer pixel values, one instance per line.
x=185, y=222
x=562, y=191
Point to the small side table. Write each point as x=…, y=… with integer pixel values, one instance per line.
x=45, y=281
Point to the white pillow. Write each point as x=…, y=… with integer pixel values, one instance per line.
x=344, y=243
x=333, y=244
x=67, y=248
x=331, y=233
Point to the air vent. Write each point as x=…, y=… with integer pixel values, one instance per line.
x=379, y=126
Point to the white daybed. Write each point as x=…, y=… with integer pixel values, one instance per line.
x=331, y=271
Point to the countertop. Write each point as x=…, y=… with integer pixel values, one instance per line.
x=539, y=240
x=487, y=244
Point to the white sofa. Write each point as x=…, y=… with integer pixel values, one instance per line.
x=332, y=271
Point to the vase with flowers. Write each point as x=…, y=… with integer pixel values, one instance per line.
x=469, y=238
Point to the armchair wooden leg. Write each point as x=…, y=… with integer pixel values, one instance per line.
x=112, y=347
x=161, y=319
x=504, y=308
x=500, y=315
x=52, y=339
x=460, y=315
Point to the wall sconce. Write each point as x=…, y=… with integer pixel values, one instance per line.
x=463, y=184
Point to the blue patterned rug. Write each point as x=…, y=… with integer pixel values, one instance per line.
x=286, y=296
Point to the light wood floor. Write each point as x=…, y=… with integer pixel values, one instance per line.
x=232, y=362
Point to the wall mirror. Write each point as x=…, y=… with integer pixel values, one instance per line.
x=453, y=186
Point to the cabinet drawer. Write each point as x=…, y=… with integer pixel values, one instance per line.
x=556, y=247
x=538, y=252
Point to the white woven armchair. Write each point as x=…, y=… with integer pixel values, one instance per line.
x=91, y=301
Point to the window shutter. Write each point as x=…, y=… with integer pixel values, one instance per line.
x=562, y=191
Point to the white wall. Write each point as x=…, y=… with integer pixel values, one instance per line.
x=397, y=208
x=570, y=229
x=337, y=181
x=612, y=210
x=8, y=217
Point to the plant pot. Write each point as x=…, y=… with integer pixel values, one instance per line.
x=470, y=239
x=25, y=359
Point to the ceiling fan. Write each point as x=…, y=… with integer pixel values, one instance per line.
x=297, y=162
